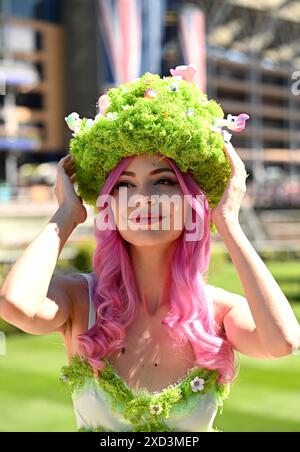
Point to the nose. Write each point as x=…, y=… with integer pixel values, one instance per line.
x=148, y=203
x=145, y=200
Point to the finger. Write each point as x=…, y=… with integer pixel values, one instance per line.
x=68, y=162
x=73, y=178
x=66, y=159
x=70, y=172
x=70, y=168
x=62, y=162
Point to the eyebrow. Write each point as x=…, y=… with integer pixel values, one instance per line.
x=156, y=171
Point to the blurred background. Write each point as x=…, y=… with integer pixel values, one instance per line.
x=59, y=56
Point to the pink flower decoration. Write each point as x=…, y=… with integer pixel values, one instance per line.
x=103, y=104
x=150, y=93
x=241, y=122
x=184, y=72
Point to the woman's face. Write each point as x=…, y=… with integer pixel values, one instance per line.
x=148, y=188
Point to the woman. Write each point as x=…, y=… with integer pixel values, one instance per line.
x=150, y=345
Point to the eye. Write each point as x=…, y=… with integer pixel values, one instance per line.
x=120, y=184
x=125, y=184
x=168, y=180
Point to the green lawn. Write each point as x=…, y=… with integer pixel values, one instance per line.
x=265, y=397
x=287, y=274
x=31, y=396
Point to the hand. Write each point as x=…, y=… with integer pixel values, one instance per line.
x=227, y=209
x=64, y=190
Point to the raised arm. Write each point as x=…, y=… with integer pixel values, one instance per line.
x=31, y=298
x=263, y=323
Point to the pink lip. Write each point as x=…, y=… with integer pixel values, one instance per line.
x=150, y=219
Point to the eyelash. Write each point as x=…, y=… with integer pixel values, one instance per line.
x=124, y=182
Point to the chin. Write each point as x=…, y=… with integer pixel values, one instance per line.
x=150, y=237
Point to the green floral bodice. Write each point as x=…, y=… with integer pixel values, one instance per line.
x=143, y=410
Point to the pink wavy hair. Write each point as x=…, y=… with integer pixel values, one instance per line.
x=191, y=316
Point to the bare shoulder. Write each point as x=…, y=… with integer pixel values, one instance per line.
x=74, y=287
x=69, y=284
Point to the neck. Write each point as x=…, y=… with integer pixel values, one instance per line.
x=152, y=270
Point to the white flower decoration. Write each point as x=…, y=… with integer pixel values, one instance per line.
x=155, y=409
x=111, y=116
x=89, y=123
x=197, y=384
x=64, y=378
x=174, y=87
x=74, y=122
x=97, y=117
x=190, y=112
x=226, y=135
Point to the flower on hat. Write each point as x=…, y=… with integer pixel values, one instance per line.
x=150, y=93
x=197, y=384
x=184, y=72
x=190, y=112
x=74, y=122
x=155, y=409
x=235, y=123
x=174, y=87
x=89, y=123
x=103, y=104
x=111, y=116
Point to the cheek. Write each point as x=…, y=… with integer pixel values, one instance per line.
x=117, y=209
x=178, y=216
x=175, y=215
x=121, y=213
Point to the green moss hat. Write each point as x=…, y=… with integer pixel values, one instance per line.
x=170, y=115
